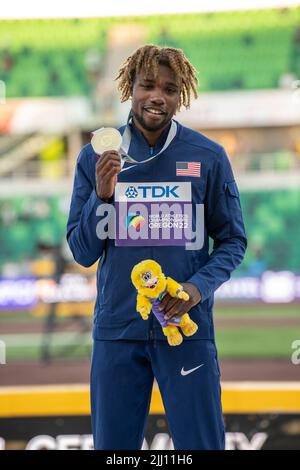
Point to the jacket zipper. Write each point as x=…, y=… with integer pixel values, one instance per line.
x=151, y=326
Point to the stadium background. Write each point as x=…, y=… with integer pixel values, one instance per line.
x=56, y=86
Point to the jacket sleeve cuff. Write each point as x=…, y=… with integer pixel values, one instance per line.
x=102, y=201
x=201, y=286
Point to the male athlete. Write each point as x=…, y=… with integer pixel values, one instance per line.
x=173, y=164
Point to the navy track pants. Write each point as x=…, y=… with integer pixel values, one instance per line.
x=188, y=377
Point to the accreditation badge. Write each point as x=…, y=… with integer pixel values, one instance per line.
x=153, y=214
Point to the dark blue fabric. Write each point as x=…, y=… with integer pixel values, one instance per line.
x=115, y=315
x=122, y=376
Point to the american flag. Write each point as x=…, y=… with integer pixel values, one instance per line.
x=188, y=168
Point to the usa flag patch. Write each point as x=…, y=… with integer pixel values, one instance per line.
x=188, y=168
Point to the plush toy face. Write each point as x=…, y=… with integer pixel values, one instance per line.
x=148, y=278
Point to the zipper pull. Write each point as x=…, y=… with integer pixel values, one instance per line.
x=151, y=151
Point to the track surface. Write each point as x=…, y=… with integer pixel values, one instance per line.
x=67, y=372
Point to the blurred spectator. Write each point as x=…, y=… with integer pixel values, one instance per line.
x=54, y=253
x=7, y=61
x=165, y=39
x=257, y=266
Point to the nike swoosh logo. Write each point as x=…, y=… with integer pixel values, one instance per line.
x=187, y=372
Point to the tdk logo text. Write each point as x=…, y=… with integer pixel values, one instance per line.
x=152, y=191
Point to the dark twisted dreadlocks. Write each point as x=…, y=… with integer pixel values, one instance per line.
x=147, y=59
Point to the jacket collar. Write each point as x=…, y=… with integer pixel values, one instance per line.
x=137, y=133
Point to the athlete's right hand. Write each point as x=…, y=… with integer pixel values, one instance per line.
x=107, y=168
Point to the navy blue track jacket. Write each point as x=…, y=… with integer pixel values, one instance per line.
x=115, y=315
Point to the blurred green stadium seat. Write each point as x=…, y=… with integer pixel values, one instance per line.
x=249, y=50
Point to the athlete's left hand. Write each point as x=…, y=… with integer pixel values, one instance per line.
x=174, y=307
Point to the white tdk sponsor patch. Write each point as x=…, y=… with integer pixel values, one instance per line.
x=153, y=192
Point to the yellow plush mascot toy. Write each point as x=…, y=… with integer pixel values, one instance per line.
x=152, y=285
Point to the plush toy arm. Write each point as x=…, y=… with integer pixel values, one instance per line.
x=143, y=306
x=176, y=290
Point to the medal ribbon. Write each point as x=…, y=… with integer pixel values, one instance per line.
x=126, y=140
